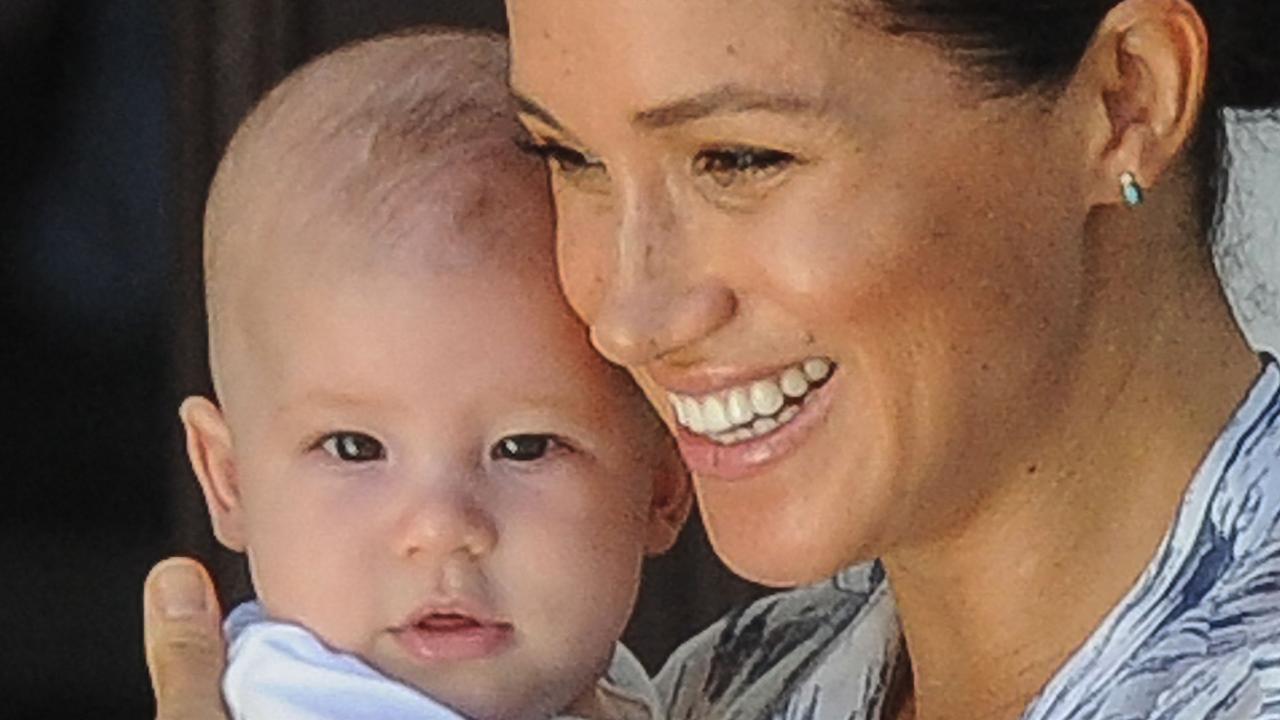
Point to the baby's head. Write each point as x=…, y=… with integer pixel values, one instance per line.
x=415, y=445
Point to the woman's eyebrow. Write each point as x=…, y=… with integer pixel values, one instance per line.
x=726, y=99
x=721, y=100
x=528, y=106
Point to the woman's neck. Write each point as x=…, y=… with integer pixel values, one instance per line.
x=994, y=607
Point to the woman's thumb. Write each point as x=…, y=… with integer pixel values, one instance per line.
x=185, y=649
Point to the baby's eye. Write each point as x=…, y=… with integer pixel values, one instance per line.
x=353, y=447
x=730, y=166
x=523, y=448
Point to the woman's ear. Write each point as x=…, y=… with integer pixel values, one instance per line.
x=671, y=502
x=210, y=451
x=1143, y=78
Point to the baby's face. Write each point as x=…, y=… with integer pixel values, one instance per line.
x=436, y=472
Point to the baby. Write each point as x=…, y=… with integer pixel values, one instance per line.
x=444, y=494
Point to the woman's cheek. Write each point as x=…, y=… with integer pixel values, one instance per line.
x=584, y=244
x=820, y=264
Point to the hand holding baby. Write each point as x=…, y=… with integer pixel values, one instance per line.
x=185, y=649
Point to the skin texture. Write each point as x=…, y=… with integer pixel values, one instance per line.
x=1028, y=372
x=430, y=339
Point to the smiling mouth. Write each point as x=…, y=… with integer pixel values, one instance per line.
x=745, y=412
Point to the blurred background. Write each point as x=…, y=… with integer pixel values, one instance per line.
x=113, y=115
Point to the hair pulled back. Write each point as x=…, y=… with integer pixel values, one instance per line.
x=1021, y=45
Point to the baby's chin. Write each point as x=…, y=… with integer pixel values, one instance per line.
x=497, y=690
x=519, y=706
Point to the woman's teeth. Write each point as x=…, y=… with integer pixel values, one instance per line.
x=748, y=411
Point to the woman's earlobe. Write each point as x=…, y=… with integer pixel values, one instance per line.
x=1151, y=59
x=210, y=451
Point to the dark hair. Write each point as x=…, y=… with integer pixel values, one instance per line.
x=1020, y=45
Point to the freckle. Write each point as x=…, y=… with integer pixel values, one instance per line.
x=731, y=49
x=1031, y=470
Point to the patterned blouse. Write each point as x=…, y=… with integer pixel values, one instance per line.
x=1197, y=637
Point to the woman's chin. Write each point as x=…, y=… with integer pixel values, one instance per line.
x=799, y=524
x=779, y=559
x=783, y=573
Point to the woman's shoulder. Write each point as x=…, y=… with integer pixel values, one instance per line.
x=770, y=658
x=1199, y=636
x=1220, y=657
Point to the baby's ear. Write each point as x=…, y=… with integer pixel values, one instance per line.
x=210, y=451
x=671, y=503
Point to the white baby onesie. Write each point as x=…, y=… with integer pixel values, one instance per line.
x=281, y=671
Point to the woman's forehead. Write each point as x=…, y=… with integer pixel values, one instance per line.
x=663, y=45
x=587, y=63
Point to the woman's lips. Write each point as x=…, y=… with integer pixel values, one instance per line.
x=708, y=458
x=447, y=638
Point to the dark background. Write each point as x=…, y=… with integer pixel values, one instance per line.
x=112, y=117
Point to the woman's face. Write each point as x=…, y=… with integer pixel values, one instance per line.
x=765, y=206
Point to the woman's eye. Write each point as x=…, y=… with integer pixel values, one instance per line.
x=523, y=448
x=353, y=447
x=730, y=166
x=562, y=159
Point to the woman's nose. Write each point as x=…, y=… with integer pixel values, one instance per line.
x=447, y=523
x=658, y=299
x=639, y=323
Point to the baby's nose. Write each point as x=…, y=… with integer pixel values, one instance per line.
x=447, y=523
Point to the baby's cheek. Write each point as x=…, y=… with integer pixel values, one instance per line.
x=583, y=530
x=315, y=568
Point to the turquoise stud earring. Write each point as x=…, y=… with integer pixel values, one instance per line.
x=1131, y=189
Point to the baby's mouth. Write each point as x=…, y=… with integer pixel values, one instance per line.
x=453, y=616
x=751, y=410
x=449, y=622
x=448, y=635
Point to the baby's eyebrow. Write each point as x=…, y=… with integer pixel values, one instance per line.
x=331, y=399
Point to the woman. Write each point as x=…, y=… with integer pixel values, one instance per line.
x=922, y=289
